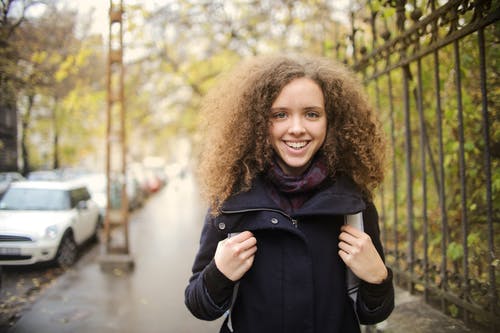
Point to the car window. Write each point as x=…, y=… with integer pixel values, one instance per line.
x=34, y=199
x=75, y=197
x=85, y=194
x=79, y=194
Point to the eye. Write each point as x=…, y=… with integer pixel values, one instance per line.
x=279, y=115
x=312, y=114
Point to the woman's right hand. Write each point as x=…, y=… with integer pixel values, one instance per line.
x=234, y=256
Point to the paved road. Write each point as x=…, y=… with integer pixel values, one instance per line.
x=164, y=239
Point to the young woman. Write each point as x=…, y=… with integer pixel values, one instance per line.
x=291, y=149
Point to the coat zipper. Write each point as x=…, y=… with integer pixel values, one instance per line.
x=295, y=222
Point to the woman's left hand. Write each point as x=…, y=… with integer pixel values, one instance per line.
x=359, y=254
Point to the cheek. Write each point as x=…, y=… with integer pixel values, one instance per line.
x=321, y=131
x=274, y=132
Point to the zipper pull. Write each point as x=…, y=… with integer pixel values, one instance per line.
x=295, y=222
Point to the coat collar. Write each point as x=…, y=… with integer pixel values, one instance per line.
x=340, y=197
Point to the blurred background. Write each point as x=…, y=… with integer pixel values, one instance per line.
x=54, y=55
x=431, y=69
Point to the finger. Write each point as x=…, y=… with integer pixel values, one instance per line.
x=242, y=236
x=248, y=243
x=346, y=247
x=239, y=247
x=249, y=262
x=344, y=256
x=348, y=238
x=248, y=253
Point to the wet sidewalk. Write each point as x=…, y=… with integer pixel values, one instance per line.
x=164, y=239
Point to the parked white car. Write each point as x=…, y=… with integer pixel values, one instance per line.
x=6, y=178
x=45, y=221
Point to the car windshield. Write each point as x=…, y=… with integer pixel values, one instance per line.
x=4, y=176
x=34, y=199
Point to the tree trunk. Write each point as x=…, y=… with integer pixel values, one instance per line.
x=55, y=162
x=25, y=120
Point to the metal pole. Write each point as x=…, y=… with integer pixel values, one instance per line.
x=117, y=253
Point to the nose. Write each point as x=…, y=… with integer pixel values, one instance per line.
x=296, y=126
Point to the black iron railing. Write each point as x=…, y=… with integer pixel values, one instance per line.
x=433, y=70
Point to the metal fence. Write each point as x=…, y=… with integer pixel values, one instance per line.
x=433, y=71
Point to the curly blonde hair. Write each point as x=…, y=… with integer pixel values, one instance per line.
x=236, y=118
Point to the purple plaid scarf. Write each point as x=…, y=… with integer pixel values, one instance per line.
x=291, y=192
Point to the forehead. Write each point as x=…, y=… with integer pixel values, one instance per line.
x=301, y=92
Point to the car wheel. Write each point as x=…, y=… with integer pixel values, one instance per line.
x=67, y=252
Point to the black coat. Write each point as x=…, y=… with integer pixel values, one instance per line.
x=297, y=283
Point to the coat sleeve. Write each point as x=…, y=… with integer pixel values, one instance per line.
x=375, y=301
x=197, y=294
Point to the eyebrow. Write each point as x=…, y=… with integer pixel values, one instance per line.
x=307, y=108
x=314, y=108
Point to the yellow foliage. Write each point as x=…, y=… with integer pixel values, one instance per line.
x=65, y=69
x=39, y=57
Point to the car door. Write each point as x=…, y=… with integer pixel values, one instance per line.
x=91, y=212
x=84, y=224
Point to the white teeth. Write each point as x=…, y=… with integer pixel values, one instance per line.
x=296, y=145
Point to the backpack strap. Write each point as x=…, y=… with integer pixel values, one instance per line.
x=235, y=295
x=352, y=281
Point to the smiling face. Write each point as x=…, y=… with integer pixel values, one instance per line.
x=298, y=125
